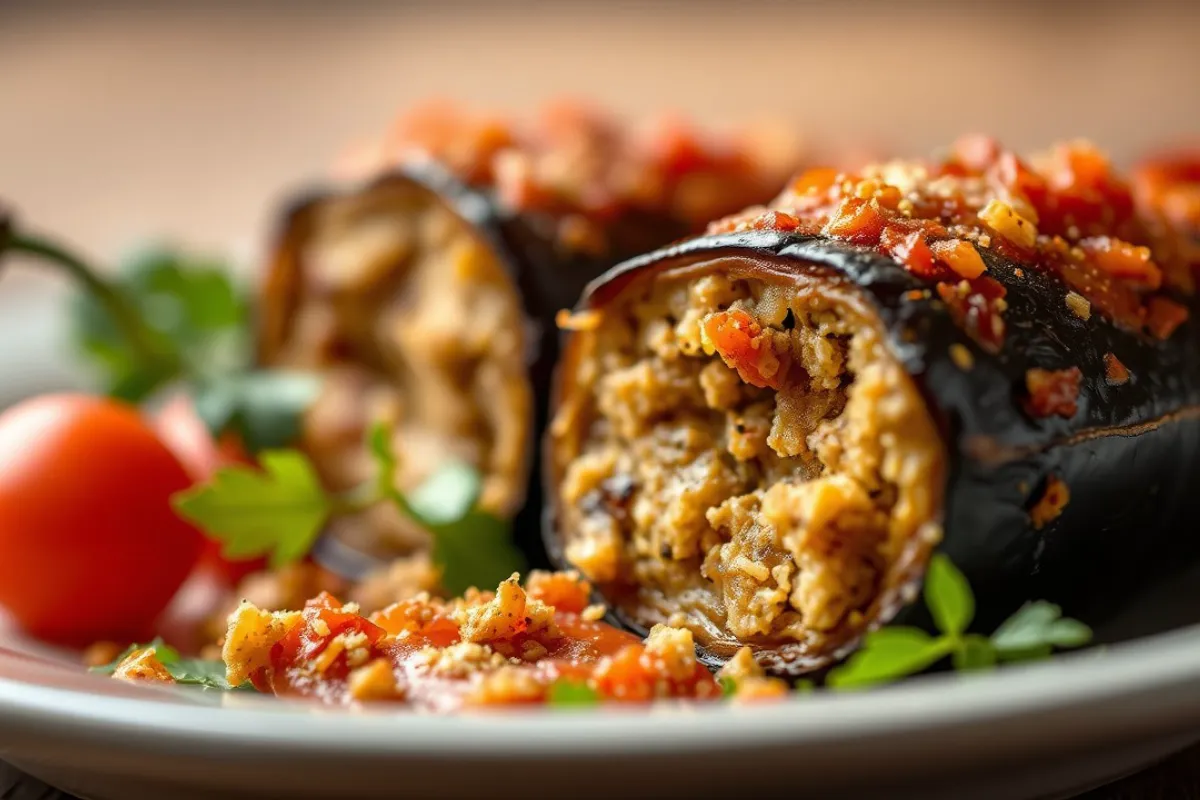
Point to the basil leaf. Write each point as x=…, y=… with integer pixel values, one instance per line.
x=948, y=596
x=278, y=511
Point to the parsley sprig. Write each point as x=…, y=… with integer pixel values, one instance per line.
x=164, y=318
x=209, y=674
x=280, y=508
x=891, y=653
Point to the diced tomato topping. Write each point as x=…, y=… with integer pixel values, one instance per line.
x=1053, y=391
x=1115, y=372
x=857, y=221
x=1123, y=260
x=1050, y=507
x=565, y=592
x=961, y=257
x=1164, y=316
x=910, y=249
x=743, y=346
x=776, y=221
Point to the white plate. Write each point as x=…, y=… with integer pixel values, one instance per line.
x=1038, y=731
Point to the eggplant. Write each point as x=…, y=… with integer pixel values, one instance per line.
x=426, y=294
x=763, y=434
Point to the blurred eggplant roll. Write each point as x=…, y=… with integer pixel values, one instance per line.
x=425, y=289
x=763, y=433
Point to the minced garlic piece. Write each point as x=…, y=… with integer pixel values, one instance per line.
x=374, y=681
x=1004, y=220
x=1079, y=305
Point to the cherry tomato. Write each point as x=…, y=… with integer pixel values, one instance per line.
x=90, y=547
x=185, y=433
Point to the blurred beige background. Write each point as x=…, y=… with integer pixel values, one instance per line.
x=190, y=119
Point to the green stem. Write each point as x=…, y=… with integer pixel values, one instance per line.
x=124, y=314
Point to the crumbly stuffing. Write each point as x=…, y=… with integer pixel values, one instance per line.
x=484, y=648
x=250, y=635
x=510, y=612
x=403, y=578
x=1067, y=212
x=743, y=459
x=143, y=665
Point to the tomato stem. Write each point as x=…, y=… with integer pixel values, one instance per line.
x=123, y=313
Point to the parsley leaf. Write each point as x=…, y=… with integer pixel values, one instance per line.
x=476, y=550
x=195, y=318
x=948, y=596
x=279, y=510
x=569, y=693
x=1035, y=630
x=728, y=686
x=264, y=407
x=186, y=671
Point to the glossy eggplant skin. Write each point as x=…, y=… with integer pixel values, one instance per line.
x=1129, y=456
x=547, y=278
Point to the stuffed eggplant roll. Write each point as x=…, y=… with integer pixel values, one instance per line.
x=763, y=433
x=425, y=290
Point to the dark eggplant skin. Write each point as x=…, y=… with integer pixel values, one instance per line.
x=547, y=278
x=1129, y=456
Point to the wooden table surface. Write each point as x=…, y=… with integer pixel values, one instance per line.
x=1177, y=778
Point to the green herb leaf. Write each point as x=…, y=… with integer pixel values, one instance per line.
x=476, y=550
x=1035, y=630
x=888, y=654
x=447, y=496
x=164, y=652
x=804, y=686
x=197, y=321
x=187, y=671
x=265, y=407
x=728, y=686
x=203, y=672
x=278, y=511
x=974, y=652
x=471, y=546
x=565, y=692
x=948, y=596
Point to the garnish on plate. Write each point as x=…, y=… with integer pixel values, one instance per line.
x=207, y=673
x=280, y=508
x=896, y=652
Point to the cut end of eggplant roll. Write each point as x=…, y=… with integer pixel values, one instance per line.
x=738, y=452
x=411, y=317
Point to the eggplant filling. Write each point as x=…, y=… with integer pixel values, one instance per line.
x=741, y=455
x=412, y=319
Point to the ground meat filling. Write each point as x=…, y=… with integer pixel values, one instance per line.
x=411, y=318
x=744, y=457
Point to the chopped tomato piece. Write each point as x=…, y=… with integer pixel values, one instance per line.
x=744, y=346
x=1164, y=316
x=858, y=221
x=1053, y=391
